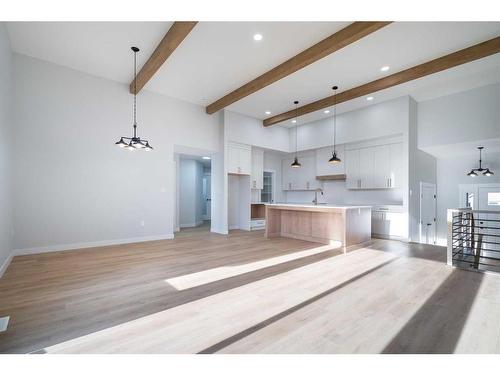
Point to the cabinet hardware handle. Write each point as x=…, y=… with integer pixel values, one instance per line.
x=390, y=182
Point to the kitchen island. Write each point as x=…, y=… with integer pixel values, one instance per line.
x=346, y=226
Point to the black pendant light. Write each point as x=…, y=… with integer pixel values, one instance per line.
x=334, y=159
x=296, y=163
x=486, y=171
x=134, y=142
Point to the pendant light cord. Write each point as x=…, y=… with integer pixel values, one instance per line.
x=135, y=94
x=334, y=121
x=296, y=128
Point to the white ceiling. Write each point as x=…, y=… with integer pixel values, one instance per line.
x=218, y=57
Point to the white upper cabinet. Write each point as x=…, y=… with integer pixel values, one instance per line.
x=376, y=167
x=303, y=178
x=323, y=167
x=397, y=170
x=352, y=169
x=239, y=158
x=257, y=178
x=366, y=168
x=382, y=166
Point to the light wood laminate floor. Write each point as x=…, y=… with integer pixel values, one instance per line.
x=242, y=293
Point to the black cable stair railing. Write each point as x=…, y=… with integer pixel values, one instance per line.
x=475, y=239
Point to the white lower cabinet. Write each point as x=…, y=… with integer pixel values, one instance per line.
x=389, y=224
x=303, y=178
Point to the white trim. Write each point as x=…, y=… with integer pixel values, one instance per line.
x=191, y=225
x=5, y=264
x=84, y=245
x=218, y=231
x=420, y=229
x=232, y=227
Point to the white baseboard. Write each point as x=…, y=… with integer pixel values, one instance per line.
x=84, y=245
x=231, y=227
x=191, y=225
x=5, y=264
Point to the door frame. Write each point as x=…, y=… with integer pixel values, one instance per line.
x=421, y=196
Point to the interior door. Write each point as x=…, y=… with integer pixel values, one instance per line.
x=207, y=197
x=428, y=213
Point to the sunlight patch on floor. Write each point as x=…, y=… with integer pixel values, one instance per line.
x=215, y=274
x=197, y=325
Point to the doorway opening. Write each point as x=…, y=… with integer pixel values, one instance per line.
x=193, y=194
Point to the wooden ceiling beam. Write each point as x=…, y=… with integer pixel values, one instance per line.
x=172, y=39
x=475, y=52
x=334, y=42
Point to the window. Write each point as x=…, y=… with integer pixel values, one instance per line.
x=493, y=199
x=266, y=194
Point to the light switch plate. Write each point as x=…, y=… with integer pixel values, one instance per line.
x=4, y=322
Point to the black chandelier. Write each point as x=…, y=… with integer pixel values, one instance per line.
x=334, y=159
x=134, y=142
x=296, y=163
x=486, y=171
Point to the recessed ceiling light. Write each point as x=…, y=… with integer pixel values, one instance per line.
x=385, y=68
x=257, y=37
x=326, y=111
x=369, y=98
x=206, y=157
x=267, y=112
x=294, y=121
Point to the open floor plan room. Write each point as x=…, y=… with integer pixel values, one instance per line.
x=192, y=186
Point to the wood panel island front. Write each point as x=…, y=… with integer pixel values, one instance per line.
x=346, y=226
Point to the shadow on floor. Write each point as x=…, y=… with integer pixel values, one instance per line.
x=240, y=335
x=416, y=250
x=436, y=327
x=136, y=309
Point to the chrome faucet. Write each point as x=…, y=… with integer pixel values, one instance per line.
x=315, y=200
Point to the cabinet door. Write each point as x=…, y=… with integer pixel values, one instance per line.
x=366, y=165
x=245, y=157
x=323, y=167
x=233, y=159
x=257, y=180
x=396, y=165
x=352, y=169
x=378, y=222
x=381, y=166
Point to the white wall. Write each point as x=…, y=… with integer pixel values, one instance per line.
x=190, y=193
x=459, y=118
x=219, y=181
x=250, y=131
x=422, y=168
x=451, y=172
x=5, y=149
x=72, y=184
x=374, y=121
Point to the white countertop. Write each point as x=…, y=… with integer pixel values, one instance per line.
x=310, y=205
